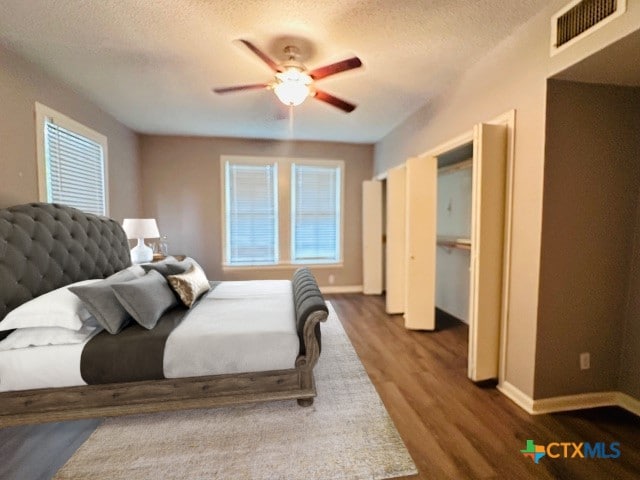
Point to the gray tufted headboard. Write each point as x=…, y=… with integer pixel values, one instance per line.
x=45, y=246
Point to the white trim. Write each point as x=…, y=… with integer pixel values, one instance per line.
x=341, y=288
x=621, y=8
x=42, y=112
x=574, y=402
x=629, y=403
x=280, y=266
x=509, y=120
x=569, y=402
x=516, y=395
x=381, y=176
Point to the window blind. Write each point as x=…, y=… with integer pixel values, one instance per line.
x=251, y=209
x=74, y=169
x=315, y=213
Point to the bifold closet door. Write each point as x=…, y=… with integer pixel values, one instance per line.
x=487, y=247
x=396, y=234
x=372, y=281
x=420, y=274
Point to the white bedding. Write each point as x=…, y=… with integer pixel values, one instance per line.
x=41, y=367
x=237, y=327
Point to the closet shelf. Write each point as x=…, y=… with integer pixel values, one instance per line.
x=453, y=242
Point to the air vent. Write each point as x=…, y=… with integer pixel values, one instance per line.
x=580, y=18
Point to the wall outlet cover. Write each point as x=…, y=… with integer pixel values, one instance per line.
x=585, y=361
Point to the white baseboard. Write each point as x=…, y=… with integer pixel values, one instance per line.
x=569, y=402
x=575, y=402
x=517, y=396
x=341, y=289
x=629, y=403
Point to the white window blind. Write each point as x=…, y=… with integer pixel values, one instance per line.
x=251, y=209
x=315, y=213
x=74, y=169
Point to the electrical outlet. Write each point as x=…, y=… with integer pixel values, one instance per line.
x=585, y=361
x=332, y=279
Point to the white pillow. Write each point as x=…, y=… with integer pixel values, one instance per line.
x=41, y=336
x=58, y=308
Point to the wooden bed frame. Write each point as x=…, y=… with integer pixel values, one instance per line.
x=58, y=404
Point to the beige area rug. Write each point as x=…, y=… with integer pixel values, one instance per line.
x=346, y=434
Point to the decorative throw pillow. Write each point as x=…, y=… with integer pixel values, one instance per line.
x=146, y=298
x=57, y=308
x=190, y=285
x=102, y=302
x=169, y=266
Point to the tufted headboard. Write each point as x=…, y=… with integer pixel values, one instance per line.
x=44, y=246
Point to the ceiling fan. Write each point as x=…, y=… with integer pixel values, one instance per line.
x=293, y=83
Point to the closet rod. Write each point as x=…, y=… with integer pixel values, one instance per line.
x=452, y=242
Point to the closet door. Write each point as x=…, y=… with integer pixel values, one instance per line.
x=395, y=261
x=420, y=254
x=372, y=281
x=487, y=241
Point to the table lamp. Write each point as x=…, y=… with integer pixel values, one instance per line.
x=141, y=228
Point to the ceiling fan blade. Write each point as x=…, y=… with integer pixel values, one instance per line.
x=343, y=66
x=237, y=88
x=335, y=101
x=263, y=56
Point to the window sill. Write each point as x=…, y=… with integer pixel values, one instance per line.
x=281, y=266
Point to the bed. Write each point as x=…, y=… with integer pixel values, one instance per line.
x=239, y=342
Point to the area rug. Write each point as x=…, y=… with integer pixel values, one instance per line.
x=346, y=434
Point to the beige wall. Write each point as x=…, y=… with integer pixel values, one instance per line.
x=181, y=189
x=591, y=182
x=512, y=76
x=21, y=85
x=629, y=374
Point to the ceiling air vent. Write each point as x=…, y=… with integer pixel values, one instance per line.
x=580, y=18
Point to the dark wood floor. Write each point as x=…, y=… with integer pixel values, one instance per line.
x=452, y=428
x=457, y=430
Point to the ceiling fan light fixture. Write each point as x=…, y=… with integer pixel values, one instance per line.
x=292, y=86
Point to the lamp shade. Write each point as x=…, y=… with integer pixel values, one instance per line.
x=140, y=228
x=292, y=86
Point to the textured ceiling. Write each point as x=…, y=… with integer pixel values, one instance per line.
x=152, y=63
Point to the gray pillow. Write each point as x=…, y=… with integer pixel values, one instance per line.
x=170, y=266
x=102, y=302
x=146, y=298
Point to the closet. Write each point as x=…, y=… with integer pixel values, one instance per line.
x=488, y=146
x=453, y=231
x=384, y=238
x=445, y=219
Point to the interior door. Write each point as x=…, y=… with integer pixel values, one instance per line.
x=420, y=254
x=487, y=247
x=372, y=247
x=396, y=233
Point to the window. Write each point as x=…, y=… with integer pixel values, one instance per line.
x=315, y=213
x=281, y=211
x=251, y=214
x=71, y=162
